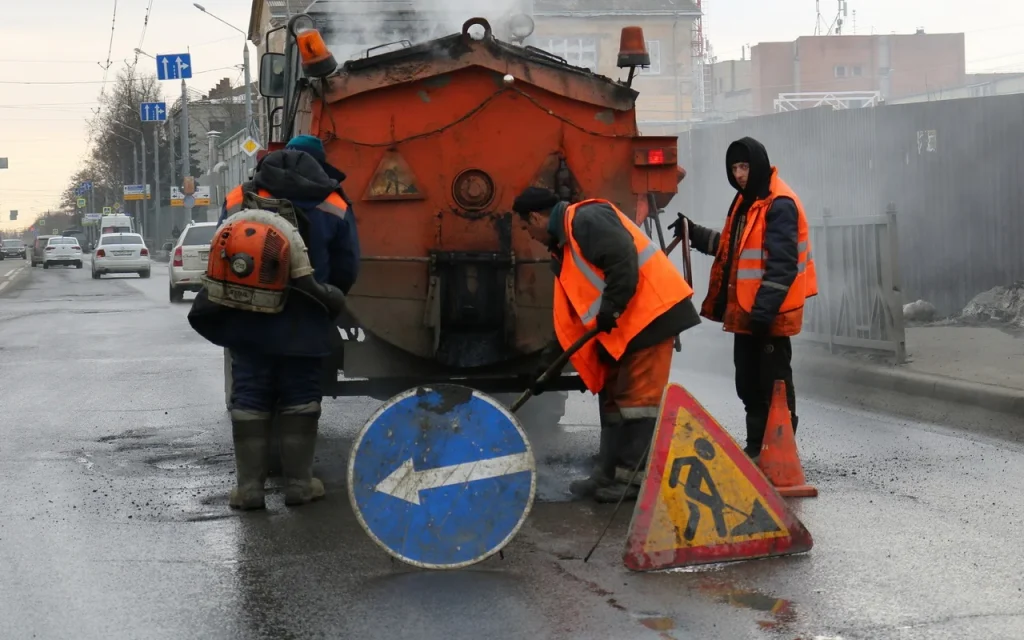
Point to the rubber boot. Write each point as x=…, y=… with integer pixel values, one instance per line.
x=633, y=453
x=756, y=424
x=274, y=452
x=603, y=473
x=298, y=446
x=251, y=433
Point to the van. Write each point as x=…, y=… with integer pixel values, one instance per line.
x=39, y=249
x=117, y=223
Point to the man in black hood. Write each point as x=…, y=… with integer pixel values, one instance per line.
x=762, y=275
x=277, y=359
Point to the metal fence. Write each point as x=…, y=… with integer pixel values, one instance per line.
x=952, y=168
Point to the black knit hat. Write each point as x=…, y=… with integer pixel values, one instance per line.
x=534, y=199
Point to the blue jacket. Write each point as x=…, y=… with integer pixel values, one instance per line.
x=303, y=328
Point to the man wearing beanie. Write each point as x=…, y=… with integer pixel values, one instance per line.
x=609, y=274
x=762, y=274
x=277, y=360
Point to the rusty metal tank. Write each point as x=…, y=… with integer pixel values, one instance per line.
x=436, y=140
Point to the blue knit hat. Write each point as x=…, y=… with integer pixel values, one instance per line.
x=314, y=147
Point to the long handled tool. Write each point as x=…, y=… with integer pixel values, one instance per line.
x=556, y=367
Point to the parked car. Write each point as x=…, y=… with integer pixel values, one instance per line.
x=13, y=248
x=121, y=253
x=63, y=251
x=188, y=263
x=39, y=248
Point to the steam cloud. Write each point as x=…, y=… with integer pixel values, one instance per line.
x=356, y=25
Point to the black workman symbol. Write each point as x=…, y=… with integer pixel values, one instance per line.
x=758, y=521
x=696, y=478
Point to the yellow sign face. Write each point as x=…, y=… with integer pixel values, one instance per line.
x=250, y=146
x=705, y=492
x=703, y=500
x=393, y=180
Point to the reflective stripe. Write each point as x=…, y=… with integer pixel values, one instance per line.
x=801, y=246
x=635, y=413
x=801, y=267
x=752, y=254
x=333, y=209
x=775, y=285
x=749, y=274
x=595, y=280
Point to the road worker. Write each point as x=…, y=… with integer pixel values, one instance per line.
x=762, y=274
x=277, y=357
x=609, y=274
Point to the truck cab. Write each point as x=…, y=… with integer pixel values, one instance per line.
x=117, y=223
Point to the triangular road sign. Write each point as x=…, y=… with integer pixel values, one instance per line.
x=703, y=500
x=393, y=180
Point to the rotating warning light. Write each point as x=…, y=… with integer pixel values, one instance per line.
x=633, y=48
x=317, y=60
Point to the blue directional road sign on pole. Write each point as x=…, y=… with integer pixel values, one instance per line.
x=153, y=111
x=174, y=66
x=442, y=477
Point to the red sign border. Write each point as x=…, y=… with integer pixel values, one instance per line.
x=674, y=398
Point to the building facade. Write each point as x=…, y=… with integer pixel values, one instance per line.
x=586, y=34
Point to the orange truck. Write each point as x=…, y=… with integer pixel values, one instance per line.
x=437, y=139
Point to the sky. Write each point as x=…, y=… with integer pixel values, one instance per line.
x=43, y=129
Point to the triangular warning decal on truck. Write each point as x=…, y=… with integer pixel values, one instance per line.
x=394, y=180
x=703, y=500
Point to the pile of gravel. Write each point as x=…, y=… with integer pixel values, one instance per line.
x=1004, y=305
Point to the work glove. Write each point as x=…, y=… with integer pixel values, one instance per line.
x=760, y=330
x=607, y=320
x=677, y=226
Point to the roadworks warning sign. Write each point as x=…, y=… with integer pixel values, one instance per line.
x=703, y=500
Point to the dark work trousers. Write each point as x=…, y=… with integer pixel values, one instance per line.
x=759, y=363
x=268, y=384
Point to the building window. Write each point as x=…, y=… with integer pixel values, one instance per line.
x=858, y=71
x=218, y=125
x=840, y=71
x=654, y=49
x=579, y=52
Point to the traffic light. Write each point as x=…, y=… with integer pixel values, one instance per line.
x=14, y=215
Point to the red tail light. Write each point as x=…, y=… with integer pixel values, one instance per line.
x=49, y=248
x=100, y=253
x=76, y=248
x=177, y=258
x=144, y=252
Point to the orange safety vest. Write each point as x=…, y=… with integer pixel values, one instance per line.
x=334, y=204
x=578, y=295
x=747, y=271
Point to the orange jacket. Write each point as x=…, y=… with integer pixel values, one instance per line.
x=334, y=204
x=746, y=276
x=578, y=297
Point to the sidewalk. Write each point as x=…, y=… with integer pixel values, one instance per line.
x=980, y=366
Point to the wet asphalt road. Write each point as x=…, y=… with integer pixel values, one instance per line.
x=115, y=461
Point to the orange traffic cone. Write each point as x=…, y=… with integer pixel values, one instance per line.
x=779, y=460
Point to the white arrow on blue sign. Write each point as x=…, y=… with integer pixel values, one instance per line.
x=174, y=66
x=153, y=111
x=442, y=477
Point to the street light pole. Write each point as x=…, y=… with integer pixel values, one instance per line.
x=142, y=139
x=249, y=128
x=135, y=169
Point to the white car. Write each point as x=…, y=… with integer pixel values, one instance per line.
x=188, y=259
x=65, y=251
x=121, y=253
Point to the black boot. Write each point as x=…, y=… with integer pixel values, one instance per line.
x=298, y=447
x=631, y=462
x=250, y=432
x=756, y=424
x=603, y=473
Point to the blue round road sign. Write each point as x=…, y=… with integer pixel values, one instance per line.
x=442, y=477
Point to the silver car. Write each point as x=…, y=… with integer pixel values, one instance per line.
x=188, y=259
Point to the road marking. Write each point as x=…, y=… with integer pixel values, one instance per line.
x=9, y=272
x=405, y=483
x=4, y=285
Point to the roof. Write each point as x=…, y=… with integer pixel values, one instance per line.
x=615, y=7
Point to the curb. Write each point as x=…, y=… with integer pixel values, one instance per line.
x=914, y=383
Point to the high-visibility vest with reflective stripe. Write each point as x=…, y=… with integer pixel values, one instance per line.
x=747, y=276
x=334, y=204
x=579, y=291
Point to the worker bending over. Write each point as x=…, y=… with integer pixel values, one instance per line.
x=761, y=277
x=609, y=274
x=277, y=357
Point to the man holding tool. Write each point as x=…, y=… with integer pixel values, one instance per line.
x=762, y=274
x=611, y=277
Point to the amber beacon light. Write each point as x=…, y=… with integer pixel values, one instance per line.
x=317, y=60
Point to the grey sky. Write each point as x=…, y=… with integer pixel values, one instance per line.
x=42, y=127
